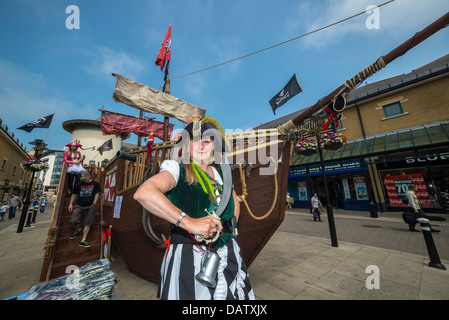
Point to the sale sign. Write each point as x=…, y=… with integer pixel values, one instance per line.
x=397, y=186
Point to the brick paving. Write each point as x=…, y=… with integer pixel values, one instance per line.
x=388, y=231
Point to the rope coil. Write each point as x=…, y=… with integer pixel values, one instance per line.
x=242, y=197
x=365, y=73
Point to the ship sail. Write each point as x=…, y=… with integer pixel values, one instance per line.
x=144, y=98
x=113, y=123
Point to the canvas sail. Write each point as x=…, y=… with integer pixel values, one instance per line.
x=113, y=123
x=144, y=98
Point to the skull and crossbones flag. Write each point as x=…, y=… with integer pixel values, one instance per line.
x=291, y=89
x=43, y=122
x=105, y=146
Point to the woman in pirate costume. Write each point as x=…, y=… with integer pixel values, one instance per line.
x=198, y=200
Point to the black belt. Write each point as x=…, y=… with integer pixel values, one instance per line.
x=178, y=235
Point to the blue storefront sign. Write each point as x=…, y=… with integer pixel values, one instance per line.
x=330, y=168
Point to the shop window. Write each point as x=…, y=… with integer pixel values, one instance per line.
x=354, y=187
x=396, y=184
x=392, y=109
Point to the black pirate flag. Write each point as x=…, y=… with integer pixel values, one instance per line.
x=291, y=89
x=43, y=122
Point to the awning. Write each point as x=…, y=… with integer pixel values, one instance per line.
x=401, y=140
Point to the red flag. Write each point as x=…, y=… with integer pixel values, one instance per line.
x=164, y=53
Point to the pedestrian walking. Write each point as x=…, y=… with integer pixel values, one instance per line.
x=289, y=201
x=14, y=202
x=43, y=205
x=315, y=202
x=414, y=211
x=82, y=205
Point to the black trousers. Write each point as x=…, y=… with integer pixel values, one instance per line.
x=73, y=178
x=316, y=214
x=421, y=214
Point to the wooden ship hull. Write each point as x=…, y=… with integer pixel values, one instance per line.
x=140, y=236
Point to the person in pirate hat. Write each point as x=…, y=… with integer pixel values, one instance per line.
x=74, y=164
x=192, y=194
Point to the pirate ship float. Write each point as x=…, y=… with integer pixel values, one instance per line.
x=259, y=162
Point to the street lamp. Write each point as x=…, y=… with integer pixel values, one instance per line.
x=39, y=147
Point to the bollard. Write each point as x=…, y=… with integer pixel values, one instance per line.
x=33, y=220
x=431, y=249
x=30, y=214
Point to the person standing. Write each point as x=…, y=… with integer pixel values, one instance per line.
x=82, y=206
x=43, y=205
x=14, y=202
x=187, y=194
x=74, y=164
x=3, y=207
x=289, y=201
x=315, y=205
x=34, y=206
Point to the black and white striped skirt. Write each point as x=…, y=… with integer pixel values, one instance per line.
x=182, y=264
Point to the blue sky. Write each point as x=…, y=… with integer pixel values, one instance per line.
x=47, y=68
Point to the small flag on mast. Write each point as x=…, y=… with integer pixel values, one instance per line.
x=43, y=122
x=165, y=50
x=105, y=146
x=291, y=89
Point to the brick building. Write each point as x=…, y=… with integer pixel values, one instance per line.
x=13, y=179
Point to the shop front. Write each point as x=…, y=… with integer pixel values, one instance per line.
x=427, y=168
x=391, y=162
x=346, y=183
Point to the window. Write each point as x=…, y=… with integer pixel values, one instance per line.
x=392, y=109
x=4, y=164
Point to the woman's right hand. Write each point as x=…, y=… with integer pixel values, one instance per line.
x=205, y=226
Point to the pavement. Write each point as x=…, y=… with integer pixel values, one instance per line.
x=373, y=259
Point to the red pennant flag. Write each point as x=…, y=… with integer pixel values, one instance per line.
x=164, y=53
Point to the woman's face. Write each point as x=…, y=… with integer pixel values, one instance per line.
x=201, y=149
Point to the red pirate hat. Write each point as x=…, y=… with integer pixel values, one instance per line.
x=73, y=143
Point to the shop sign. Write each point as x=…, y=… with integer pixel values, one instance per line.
x=331, y=168
x=428, y=158
x=346, y=191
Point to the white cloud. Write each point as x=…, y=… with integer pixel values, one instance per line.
x=398, y=19
x=104, y=61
